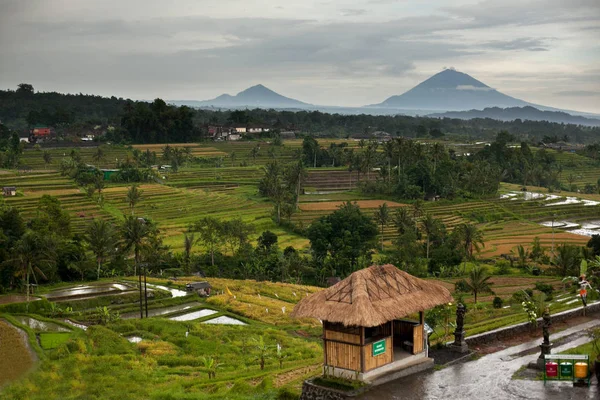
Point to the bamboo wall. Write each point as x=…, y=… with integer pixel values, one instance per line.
x=342, y=337
x=342, y=355
x=418, y=339
x=380, y=360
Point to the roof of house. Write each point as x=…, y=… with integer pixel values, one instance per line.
x=199, y=285
x=373, y=296
x=9, y=188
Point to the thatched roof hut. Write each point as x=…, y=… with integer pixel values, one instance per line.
x=373, y=296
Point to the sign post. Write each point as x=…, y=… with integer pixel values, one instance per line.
x=378, y=347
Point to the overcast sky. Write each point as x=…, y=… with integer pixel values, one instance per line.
x=329, y=52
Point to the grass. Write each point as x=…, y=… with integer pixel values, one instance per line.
x=51, y=340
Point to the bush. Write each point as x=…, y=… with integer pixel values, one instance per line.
x=287, y=394
x=502, y=267
x=545, y=288
x=497, y=303
x=461, y=286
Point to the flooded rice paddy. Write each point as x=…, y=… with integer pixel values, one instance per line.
x=224, y=320
x=193, y=315
x=38, y=325
x=87, y=291
x=174, y=292
x=157, y=312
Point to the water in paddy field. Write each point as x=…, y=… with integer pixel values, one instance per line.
x=89, y=290
x=193, y=315
x=134, y=339
x=41, y=326
x=161, y=311
x=174, y=292
x=224, y=320
x=527, y=196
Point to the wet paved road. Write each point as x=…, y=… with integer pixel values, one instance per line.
x=489, y=378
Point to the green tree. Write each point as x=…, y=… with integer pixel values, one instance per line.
x=345, y=235
x=134, y=195
x=382, y=217
x=478, y=282
x=136, y=233
x=98, y=155
x=47, y=158
x=101, y=237
x=471, y=239
x=210, y=234
x=431, y=227
x=567, y=259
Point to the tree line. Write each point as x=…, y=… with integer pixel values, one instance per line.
x=157, y=122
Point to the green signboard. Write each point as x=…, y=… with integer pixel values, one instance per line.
x=379, y=348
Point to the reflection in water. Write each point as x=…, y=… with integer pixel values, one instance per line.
x=224, y=320
x=161, y=311
x=41, y=326
x=193, y=315
x=87, y=290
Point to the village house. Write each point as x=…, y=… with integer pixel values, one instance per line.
x=202, y=288
x=9, y=191
x=41, y=133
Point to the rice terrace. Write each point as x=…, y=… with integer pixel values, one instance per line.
x=423, y=236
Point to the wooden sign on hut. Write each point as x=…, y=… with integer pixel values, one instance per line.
x=373, y=323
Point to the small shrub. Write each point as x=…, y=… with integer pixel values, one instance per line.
x=502, y=267
x=461, y=286
x=544, y=288
x=497, y=303
x=287, y=394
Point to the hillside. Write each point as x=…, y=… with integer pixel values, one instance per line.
x=255, y=96
x=526, y=113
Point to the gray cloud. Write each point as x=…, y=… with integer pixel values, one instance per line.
x=578, y=93
x=528, y=44
x=340, y=55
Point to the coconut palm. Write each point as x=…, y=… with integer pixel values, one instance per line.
x=382, y=217
x=134, y=195
x=101, y=238
x=478, y=282
x=402, y=220
x=471, y=238
x=27, y=251
x=431, y=226
x=135, y=233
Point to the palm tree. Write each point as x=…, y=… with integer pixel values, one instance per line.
x=101, y=237
x=188, y=243
x=382, y=217
x=296, y=175
x=478, y=282
x=470, y=237
x=98, y=155
x=27, y=251
x=135, y=233
x=402, y=220
x=134, y=195
x=430, y=225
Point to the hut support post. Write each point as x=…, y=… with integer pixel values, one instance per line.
x=392, y=338
x=325, y=346
x=362, y=349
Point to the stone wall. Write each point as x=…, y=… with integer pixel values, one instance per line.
x=512, y=330
x=310, y=391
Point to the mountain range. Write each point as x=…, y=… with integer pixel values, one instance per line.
x=257, y=96
x=523, y=113
x=447, y=91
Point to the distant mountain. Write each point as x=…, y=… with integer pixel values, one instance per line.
x=255, y=96
x=451, y=90
x=523, y=113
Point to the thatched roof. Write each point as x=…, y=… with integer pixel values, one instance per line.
x=373, y=296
